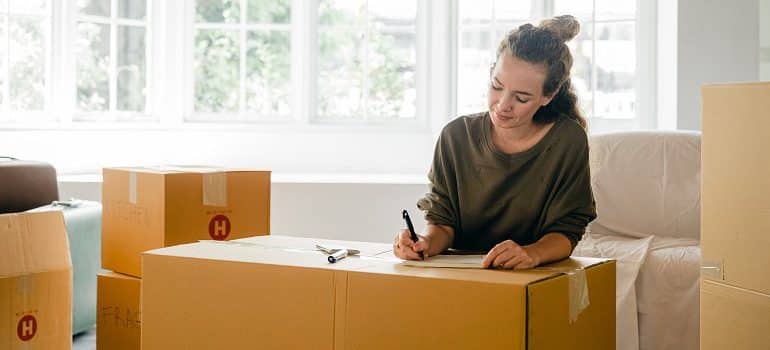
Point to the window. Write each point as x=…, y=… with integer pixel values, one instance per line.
x=604, y=68
x=111, y=50
x=604, y=71
x=289, y=85
x=482, y=25
x=367, y=59
x=363, y=55
x=241, y=60
x=24, y=56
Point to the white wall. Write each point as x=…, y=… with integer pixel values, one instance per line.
x=717, y=41
x=667, y=65
x=764, y=40
x=356, y=209
x=352, y=150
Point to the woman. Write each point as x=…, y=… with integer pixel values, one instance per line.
x=513, y=181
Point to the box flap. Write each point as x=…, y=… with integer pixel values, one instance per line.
x=112, y=274
x=375, y=258
x=181, y=169
x=33, y=242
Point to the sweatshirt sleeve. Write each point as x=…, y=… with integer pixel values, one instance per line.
x=572, y=206
x=437, y=203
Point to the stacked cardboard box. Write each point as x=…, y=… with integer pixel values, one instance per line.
x=277, y=292
x=149, y=208
x=35, y=282
x=735, y=220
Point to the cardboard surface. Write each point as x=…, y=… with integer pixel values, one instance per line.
x=735, y=216
x=733, y=318
x=35, y=282
x=262, y=292
x=149, y=208
x=119, y=318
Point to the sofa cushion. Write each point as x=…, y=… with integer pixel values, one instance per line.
x=646, y=183
x=26, y=184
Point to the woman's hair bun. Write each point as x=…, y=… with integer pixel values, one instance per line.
x=565, y=27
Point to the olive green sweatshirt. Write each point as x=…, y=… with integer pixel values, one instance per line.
x=488, y=196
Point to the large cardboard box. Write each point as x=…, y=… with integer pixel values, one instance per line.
x=735, y=216
x=119, y=319
x=35, y=282
x=733, y=318
x=148, y=208
x=277, y=292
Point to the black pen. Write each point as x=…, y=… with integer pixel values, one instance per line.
x=409, y=225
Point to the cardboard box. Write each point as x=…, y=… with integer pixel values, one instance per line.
x=152, y=208
x=277, y=292
x=733, y=318
x=35, y=282
x=119, y=316
x=735, y=185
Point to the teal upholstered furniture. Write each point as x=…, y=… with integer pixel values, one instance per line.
x=84, y=230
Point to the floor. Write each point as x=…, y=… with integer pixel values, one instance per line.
x=85, y=340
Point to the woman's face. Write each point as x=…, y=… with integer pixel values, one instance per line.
x=515, y=92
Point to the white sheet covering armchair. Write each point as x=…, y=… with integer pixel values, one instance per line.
x=647, y=189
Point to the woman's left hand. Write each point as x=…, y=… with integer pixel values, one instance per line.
x=511, y=256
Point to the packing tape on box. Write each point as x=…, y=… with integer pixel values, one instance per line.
x=214, y=182
x=578, y=293
x=578, y=290
x=215, y=189
x=132, y=187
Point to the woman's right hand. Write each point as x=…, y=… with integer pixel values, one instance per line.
x=405, y=248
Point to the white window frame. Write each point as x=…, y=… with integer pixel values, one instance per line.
x=112, y=113
x=299, y=145
x=242, y=27
x=304, y=29
x=645, y=88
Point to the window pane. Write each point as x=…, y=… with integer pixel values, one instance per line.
x=131, y=69
x=615, y=70
x=217, y=67
x=92, y=50
x=269, y=11
x=615, y=9
x=581, y=48
x=342, y=12
x=218, y=11
x=393, y=12
x=513, y=10
x=268, y=78
x=340, y=74
x=133, y=9
x=475, y=11
x=392, y=62
x=582, y=9
x=94, y=7
x=476, y=54
x=27, y=63
x=28, y=6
